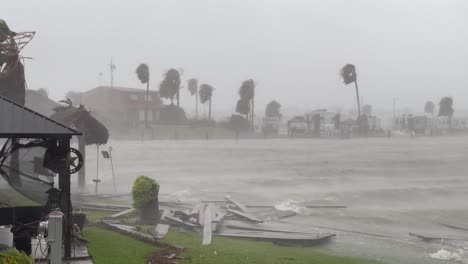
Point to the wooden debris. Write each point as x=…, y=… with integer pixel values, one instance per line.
x=281, y=238
x=166, y=212
x=180, y=222
x=272, y=214
x=247, y=216
x=123, y=213
x=429, y=237
x=237, y=204
x=264, y=227
x=207, y=232
x=195, y=210
x=201, y=215
x=450, y=224
x=160, y=231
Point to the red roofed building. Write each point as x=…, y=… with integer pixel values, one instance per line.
x=122, y=108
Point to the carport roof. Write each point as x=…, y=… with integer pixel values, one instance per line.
x=17, y=121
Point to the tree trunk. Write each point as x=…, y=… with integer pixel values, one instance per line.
x=253, y=115
x=357, y=98
x=178, y=97
x=209, y=111
x=146, y=104
x=196, y=105
x=150, y=214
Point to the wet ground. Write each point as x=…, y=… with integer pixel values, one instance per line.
x=391, y=186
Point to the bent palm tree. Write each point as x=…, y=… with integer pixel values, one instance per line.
x=446, y=108
x=170, y=85
x=193, y=89
x=206, y=92
x=348, y=73
x=142, y=72
x=429, y=108
x=247, y=94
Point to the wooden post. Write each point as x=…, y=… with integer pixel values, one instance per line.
x=82, y=172
x=65, y=201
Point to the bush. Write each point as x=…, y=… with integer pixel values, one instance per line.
x=145, y=190
x=13, y=256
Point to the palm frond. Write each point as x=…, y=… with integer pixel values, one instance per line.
x=206, y=91
x=192, y=86
x=247, y=90
x=348, y=73
x=273, y=109
x=142, y=72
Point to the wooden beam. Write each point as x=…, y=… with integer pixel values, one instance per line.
x=207, y=232
x=65, y=203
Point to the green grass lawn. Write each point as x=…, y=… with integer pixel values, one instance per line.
x=240, y=251
x=110, y=247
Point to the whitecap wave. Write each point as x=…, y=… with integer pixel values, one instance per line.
x=292, y=205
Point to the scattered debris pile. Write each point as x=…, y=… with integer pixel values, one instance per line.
x=228, y=218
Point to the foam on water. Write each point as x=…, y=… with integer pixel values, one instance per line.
x=292, y=205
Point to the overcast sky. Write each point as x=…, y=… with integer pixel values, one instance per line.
x=414, y=50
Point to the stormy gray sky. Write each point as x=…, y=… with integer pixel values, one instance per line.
x=415, y=50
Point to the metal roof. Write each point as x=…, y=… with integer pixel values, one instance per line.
x=17, y=121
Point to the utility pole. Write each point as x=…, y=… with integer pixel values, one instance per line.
x=112, y=69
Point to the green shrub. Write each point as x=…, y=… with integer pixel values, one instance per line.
x=145, y=190
x=13, y=256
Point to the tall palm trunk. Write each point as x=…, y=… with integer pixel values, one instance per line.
x=357, y=98
x=209, y=111
x=146, y=104
x=253, y=115
x=196, y=105
x=178, y=98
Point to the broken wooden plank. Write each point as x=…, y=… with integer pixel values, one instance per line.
x=166, y=212
x=266, y=227
x=195, y=210
x=247, y=216
x=207, y=232
x=201, y=215
x=281, y=238
x=454, y=225
x=272, y=214
x=123, y=213
x=160, y=231
x=430, y=237
x=217, y=220
x=181, y=222
x=237, y=204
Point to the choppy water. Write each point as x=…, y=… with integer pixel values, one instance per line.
x=391, y=186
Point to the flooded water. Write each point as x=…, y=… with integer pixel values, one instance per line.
x=390, y=186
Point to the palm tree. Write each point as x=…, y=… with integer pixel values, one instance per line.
x=142, y=72
x=429, y=108
x=206, y=92
x=348, y=73
x=193, y=89
x=446, y=108
x=273, y=109
x=170, y=85
x=247, y=94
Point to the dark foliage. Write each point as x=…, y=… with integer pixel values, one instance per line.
x=170, y=85
x=205, y=93
x=247, y=90
x=142, y=72
x=446, y=107
x=273, y=109
x=80, y=118
x=348, y=73
x=243, y=107
x=192, y=86
x=429, y=107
